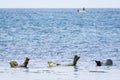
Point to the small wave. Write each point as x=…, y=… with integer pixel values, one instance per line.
x=98, y=71
x=1, y=72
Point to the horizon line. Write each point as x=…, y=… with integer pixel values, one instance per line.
x=57, y=7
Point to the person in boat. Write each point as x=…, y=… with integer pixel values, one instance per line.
x=14, y=64
x=108, y=62
x=78, y=10
x=76, y=58
x=83, y=9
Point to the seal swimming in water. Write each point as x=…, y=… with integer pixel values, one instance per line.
x=14, y=64
x=76, y=58
x=108, y=62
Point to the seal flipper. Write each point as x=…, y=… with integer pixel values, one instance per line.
x=25, y=63
x=76, y=58
x=98, y=63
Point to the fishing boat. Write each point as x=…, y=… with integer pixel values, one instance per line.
x=81, y=10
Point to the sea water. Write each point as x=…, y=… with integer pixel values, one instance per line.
x=57, y=35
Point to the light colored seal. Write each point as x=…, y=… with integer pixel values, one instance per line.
x=14, y=64
x=76, y=58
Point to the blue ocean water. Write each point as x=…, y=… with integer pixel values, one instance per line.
x=58, y=35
